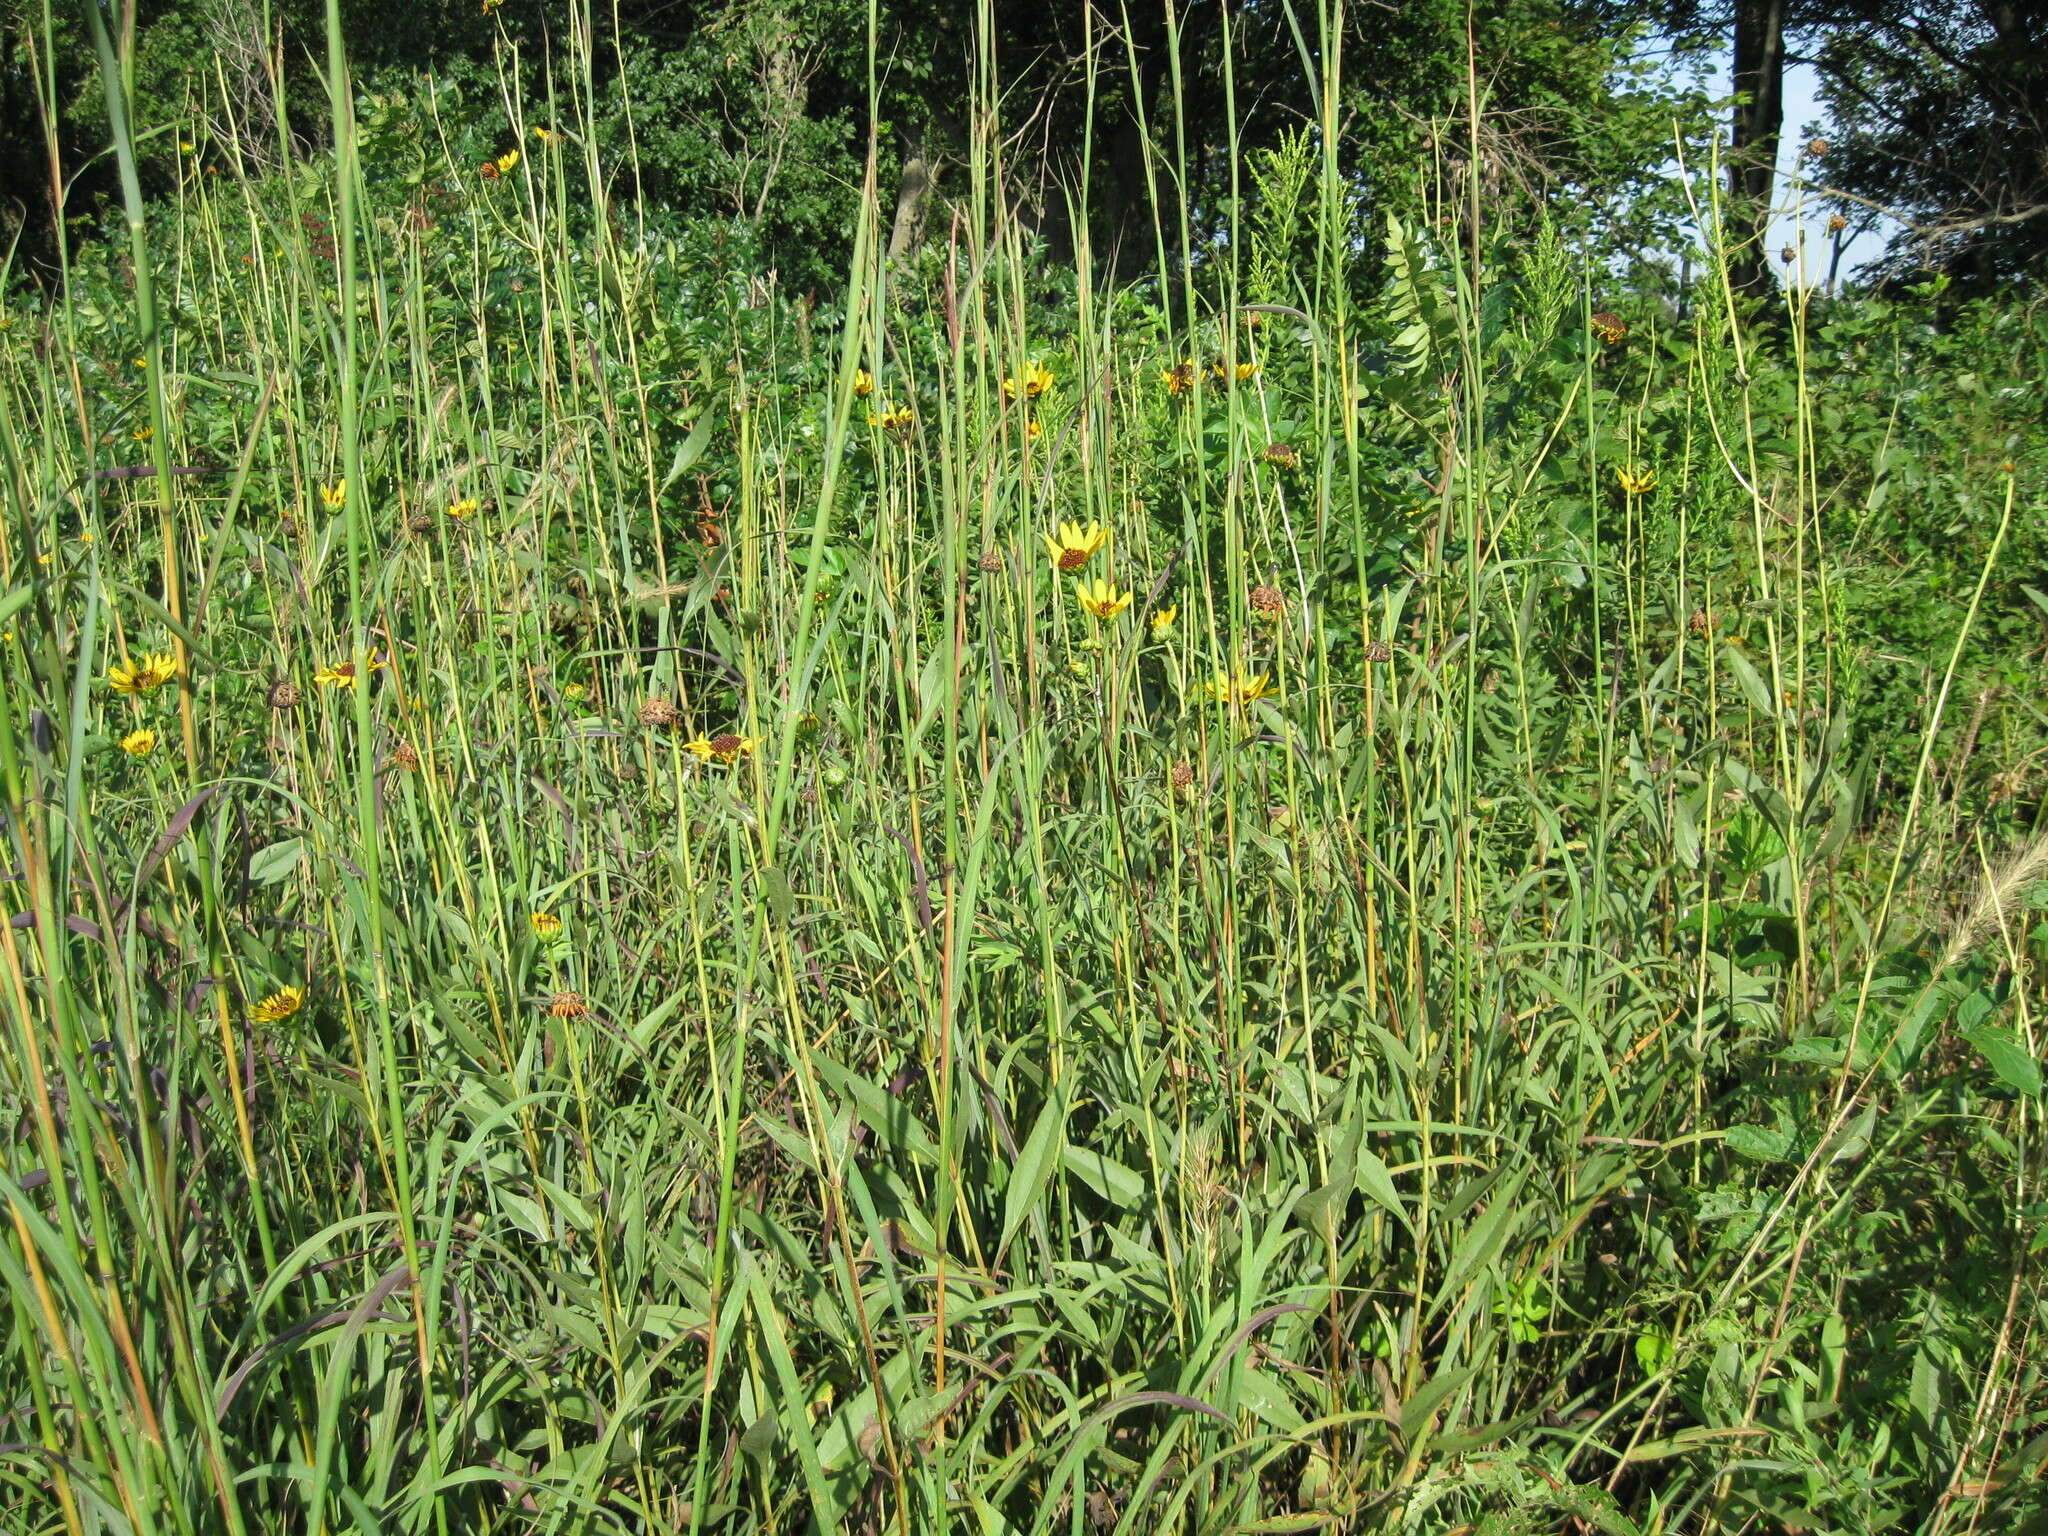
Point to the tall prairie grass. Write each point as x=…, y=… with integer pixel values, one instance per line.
x=1417, y=1022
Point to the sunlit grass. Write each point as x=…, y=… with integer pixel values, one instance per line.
x=1003, y=916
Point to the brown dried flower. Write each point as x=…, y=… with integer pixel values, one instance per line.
x=659, y=713
x=283, y=695
x=406, y=756
x=1268, y=599
x=1378, y=651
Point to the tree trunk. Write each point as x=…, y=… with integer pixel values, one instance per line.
x=1759, y=82
x=913, y=195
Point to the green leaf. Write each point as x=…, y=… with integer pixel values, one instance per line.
x=1760, y=1142
x=2007, y=1057
x=267, y=866
x=1034, y=1167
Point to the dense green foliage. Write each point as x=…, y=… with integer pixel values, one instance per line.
x=645, y=963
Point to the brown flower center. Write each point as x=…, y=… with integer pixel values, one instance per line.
x=1072, y=559
x=725, y=744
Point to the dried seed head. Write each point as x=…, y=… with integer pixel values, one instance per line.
x=419, y=522
x=1268, y=599
x=567, y=1005
x=283, y=695
x=1378, y=651
x=407, y=756
x=658, y=713
x=991, y=562
x=1837, y=223
x=1701, y=622
x=1183, y=774
x=576, y=585
x=1282, y=456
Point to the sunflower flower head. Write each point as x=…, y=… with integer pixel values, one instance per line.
x=1162, y=620
x=1179, y=380
x=1237, y=689
x=1636, y=481
x=893, y=419
x=1100, y=598
x=1608, y=326
x=724, y=749
x=1073, y=546
x=507, y=162
x=334, y=497
x=1034, y=381
x=344, y=674
x=144, y=676
x=139, y=743
x=567, y=1005
x=863, y=383
x=465, y=507
x=281, y=1004
x=545, y=925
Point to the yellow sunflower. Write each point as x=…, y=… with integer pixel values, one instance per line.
x=1074, y=546
x=343, y=674
x=144, y=676
x=334, y=497
x=1162, y=620
x=863, y=383
x=724, y=749
x=281, y=1004
x=1234, y=687
x=139, y=743
x=1101, y=598
x=1034, y=381
x=545, y=924
x=1636, y=482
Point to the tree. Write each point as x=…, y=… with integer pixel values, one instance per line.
x=1938, y=114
